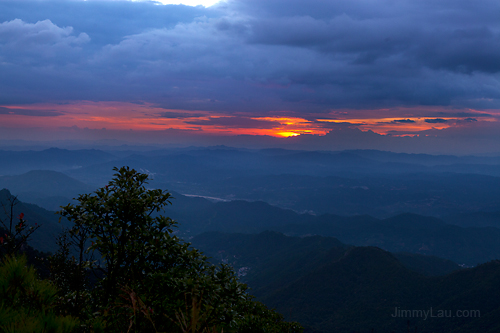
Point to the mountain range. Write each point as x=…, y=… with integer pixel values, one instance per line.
x=352, y=241
x=460, y=242
x=332, y=287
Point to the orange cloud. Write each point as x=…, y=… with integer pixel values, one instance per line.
x=148, y=117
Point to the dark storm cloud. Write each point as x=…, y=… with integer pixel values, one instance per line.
x=436, y=121
x=254, y=55
x=329, y=125
x=459, y=36
x=469, y=120
x=33, y=113
x=404, y=121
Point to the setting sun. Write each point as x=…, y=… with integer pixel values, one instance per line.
x=287, y=134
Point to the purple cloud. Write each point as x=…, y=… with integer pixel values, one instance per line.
x=436, y=121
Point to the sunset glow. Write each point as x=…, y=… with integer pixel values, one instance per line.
x=149, y=118
x=287, y=134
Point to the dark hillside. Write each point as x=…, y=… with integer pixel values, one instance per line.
x=44, y=238
x=48, y=189
x=331, y=287
x=408, y=233
x=369, y=289
x=357, y=292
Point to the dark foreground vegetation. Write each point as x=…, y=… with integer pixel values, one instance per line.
x=119, y=268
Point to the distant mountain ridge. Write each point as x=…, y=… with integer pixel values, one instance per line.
x=476, y=219
x=17, y=162
x=279, y=257
x=46, y=188
x=402, y=233
x=377, y=183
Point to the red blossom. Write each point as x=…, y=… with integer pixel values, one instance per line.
x=21, y=216
x=1, y=240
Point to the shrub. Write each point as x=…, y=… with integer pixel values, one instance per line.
x=27, y=304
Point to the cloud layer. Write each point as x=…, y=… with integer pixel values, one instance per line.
x=247, y=58
x=300, y=55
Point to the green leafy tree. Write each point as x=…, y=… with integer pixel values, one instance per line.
x=130, y=241
x=151, y=279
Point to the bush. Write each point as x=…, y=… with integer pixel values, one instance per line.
x=27, y=304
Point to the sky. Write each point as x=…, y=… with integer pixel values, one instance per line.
x=399, y=75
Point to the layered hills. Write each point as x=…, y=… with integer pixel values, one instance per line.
x=332, y=287
x=356, y=182
x=47, y=188
x=44, y=238
x=468, y=245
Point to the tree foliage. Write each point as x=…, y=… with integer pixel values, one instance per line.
x=147, y=279
x=27, y=303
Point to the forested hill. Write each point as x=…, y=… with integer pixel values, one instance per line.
x=331, y=287
x=368, y=288
x=44, y=238
x=401, y=233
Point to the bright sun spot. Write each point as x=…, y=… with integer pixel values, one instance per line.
x=287, y=134
x=205, y=3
